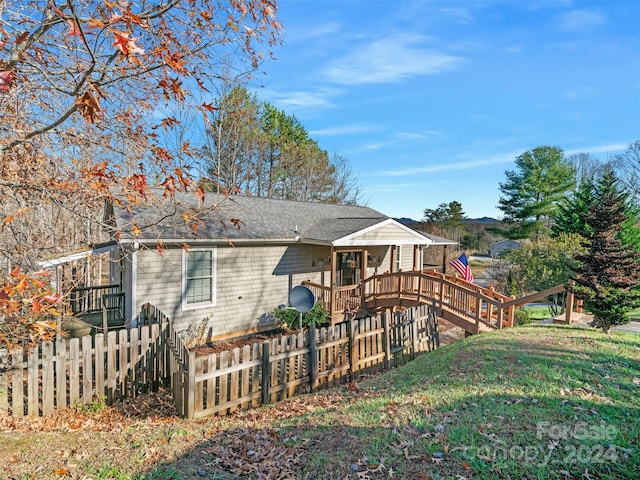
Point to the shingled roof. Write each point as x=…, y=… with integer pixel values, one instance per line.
x=261, y=219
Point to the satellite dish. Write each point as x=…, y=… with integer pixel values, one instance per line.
x=302, y=299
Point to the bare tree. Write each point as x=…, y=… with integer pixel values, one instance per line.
x=627, y=166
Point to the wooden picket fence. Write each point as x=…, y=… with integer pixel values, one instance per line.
x=74, y=372
x=130, y=362
x=291, y=365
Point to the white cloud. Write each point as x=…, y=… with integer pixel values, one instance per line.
x=303, y=32
x=389, y=60
x=416, y=135
x=459, y=14
x=389, y=187
x=443, y=167
x=606, y=148
x=344, y=130
x=515, y=48
x=320, y=98
x=580, y=93
x=580, y=20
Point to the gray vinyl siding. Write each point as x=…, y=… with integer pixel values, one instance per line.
x=406, y=259
x=251, y=281
x=391, y=233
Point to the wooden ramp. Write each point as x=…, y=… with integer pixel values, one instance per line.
x=471, y=307
x=474, y=308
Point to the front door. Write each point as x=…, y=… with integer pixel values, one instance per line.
x=348, y=268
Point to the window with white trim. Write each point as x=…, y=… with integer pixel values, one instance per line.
x=198, y=278
x=397, y=256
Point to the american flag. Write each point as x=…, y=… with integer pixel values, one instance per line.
x=461, y=264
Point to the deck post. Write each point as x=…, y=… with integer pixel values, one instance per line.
x=499, y=313
x=568, y=307
x=512, y=313
x=332, y=292
x=105, y=320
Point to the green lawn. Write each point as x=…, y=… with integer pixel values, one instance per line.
x=634, y=314
x=532, y=402
x=537, y=313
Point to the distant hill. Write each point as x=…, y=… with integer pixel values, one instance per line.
x=407, y=221
x=481, y=220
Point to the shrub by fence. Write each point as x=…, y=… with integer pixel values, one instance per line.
x=130, y=362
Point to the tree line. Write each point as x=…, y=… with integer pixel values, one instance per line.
x=256, y=149
x=579, y=219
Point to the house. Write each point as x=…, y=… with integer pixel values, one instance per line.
x=221, y=267
x=500, y=248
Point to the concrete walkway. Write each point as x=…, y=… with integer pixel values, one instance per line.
x=583, y=320
x=633, y=326
x=484, y=278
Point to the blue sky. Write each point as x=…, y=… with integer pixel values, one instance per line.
x=431, y=101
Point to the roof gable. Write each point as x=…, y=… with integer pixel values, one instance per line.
x=387, y=232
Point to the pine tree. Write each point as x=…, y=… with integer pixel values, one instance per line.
x=608, y=274
x=570, y=215
x=531, y=193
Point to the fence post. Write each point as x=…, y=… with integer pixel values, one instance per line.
x=353, y=361
x=33, y=380
x=312, y=363
x=190, y=384
x=387, y=341
x=166, y=353
x=413, y=325
x=435, y=323
x=17, y=382
x=87, y=370
x=266, y=371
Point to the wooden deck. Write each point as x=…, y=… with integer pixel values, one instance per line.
x=97, y=308
x=475, y=309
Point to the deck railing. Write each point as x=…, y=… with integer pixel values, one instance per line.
x=85, y=300
x=478, y=308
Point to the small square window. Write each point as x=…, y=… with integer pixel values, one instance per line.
x=199, y=278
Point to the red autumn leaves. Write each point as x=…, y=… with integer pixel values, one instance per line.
x=126, y=45
x=28, y=309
